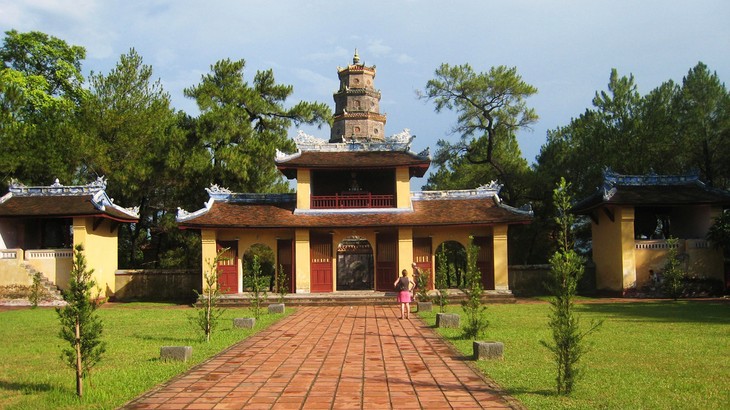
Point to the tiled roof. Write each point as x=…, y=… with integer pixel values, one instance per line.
x=354, y=160
x=58, y=201
x=652, y=190
x=58, y=206
x=444, y=212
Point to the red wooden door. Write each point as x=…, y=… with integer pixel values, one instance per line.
x=422, y=258
x=228, y=266
x=386, y=266
x=320, y=254
x=485, y=260
x=285, y=257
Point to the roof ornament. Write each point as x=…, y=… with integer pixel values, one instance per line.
x=216, y=189
x=303, y=138
x=356, y=58
x=56, y=184
x=491, y=186
x=182, y=214
x=608, y=193
x=403, y=137
x=14, y=183
x=99, y=183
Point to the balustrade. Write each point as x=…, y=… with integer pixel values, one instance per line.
x=349, y=201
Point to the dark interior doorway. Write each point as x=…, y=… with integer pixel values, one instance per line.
x=355, y=264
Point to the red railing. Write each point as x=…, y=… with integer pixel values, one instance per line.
x=344, y=201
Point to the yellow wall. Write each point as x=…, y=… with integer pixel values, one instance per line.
x=405, y=250
x=301, y=250
x=501, y=275
x=402, y=187
x=628, y=259
x=701, y=259
x=11, y=273
x=209, y=251
x=704, y=260
x=100, y=249
x=304, y=191
x=54, y=264
x=650, y=255
x=608, y=250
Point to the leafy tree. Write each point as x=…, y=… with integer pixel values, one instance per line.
x=566, y=269
x=476, y=321
x=40, y=90
x=130, y=135
x=491, y=108
x=81, y=327
x=704, y=124
x=240, y=124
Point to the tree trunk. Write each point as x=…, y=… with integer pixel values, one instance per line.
x=79, y=368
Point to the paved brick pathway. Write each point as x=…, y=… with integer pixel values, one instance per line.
x=333, y=358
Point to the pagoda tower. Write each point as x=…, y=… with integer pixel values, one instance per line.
x=357, y=105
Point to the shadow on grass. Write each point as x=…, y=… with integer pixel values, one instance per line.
x=544, y=393
x=663, y=311
x=165, y=339
x=25, y=388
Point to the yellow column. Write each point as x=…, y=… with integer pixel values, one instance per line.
x=208, y=250
x=628, y=260
x=301, y=244
x=402, y=188
x=304, y=188
x=100, y=250
x=499, y=242
x=405, y=250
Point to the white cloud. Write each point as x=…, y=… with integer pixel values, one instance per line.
x=337, y=54
x=378, y=49
x=404, y=59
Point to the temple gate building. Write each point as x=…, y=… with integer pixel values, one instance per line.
x=353, y=222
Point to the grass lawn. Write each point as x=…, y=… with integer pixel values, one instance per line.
x=32, y=375
x=647, y=355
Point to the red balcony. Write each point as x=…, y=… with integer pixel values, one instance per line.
x=353, y=200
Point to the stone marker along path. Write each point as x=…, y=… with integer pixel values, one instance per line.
x=333, y=358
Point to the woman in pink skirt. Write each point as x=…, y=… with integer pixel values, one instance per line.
x=404, y=286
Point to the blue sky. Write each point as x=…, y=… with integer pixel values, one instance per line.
x=564, y=48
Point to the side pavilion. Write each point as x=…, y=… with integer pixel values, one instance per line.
x=632, y=216
x=40, y=226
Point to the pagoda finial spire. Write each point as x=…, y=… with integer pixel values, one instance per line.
x=356, y=58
